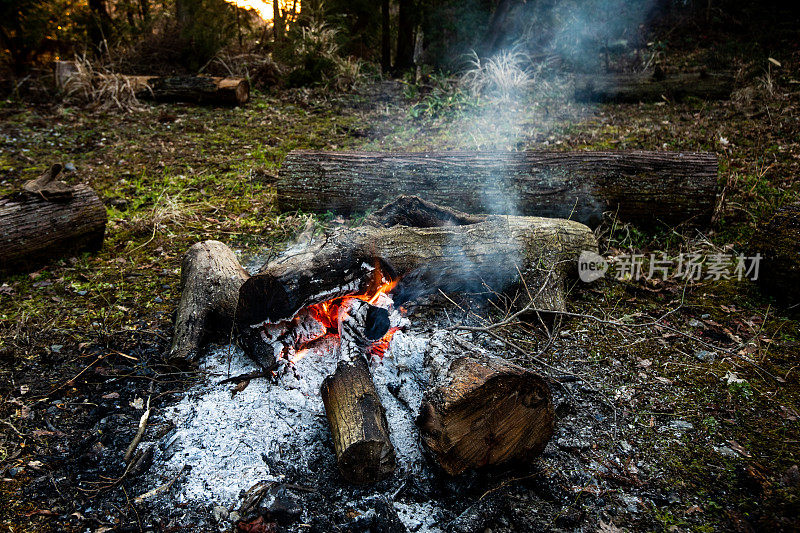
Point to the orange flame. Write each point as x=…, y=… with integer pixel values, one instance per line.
x=327, y=312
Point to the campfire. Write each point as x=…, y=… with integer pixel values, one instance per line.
x=328, y=318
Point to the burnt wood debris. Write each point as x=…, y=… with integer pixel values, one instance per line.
x=478, y=409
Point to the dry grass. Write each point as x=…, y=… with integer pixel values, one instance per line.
x=101, y=88
x=504, y=76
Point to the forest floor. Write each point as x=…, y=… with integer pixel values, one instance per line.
x=712, y=439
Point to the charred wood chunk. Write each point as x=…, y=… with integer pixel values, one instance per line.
x=482, y=410
x=364, y=453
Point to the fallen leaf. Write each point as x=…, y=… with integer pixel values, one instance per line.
x=111, y=396
x=240, y=387
x=259, y=525
x=41, y=512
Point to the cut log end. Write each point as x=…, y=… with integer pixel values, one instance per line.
x=364, y=452
x=485, y=411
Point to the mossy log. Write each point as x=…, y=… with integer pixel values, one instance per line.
x=633, y=88
x=210, y=280
x=481, y=410
x=47, y=220
x=637, y=186
x=487, y=253
x=357, y=420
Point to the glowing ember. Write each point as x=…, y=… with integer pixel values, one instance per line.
x=305, y=331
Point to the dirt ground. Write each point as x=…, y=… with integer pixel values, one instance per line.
x=709, y=394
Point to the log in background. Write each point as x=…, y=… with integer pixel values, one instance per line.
x=640, y=186
x=34, y=230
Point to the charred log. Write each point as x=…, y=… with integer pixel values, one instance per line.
x=633, y=88
x=210, y=280
x=490, y=254
x=358, y=424
x=481, y=410
x=47, y=220
x=638, y=186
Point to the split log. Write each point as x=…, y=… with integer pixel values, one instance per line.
x=364, y=452
x=47, y=220
x=195, y=89
x=634, y=88
x=490, y=253
x=481, y=410
x=210, y=280
x=638, y=186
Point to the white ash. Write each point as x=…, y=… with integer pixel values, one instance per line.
x=223, y=436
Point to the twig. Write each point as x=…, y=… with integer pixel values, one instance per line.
x=139, y=434
x=158, y=490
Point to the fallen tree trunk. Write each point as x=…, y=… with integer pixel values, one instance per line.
x=195, y=89
x=633, y=88
x=364, y=452
x=481, y=410
x=48, y=220
x=488, y=253
x=638, y=186
x=210, y=280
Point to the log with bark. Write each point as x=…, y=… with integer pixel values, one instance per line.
x=195, y=89
x=481, y=410
x=49, y=219
x=633, y=88
x=429, y=248
x=357, y=420
x=637, y=186
x=210, y=280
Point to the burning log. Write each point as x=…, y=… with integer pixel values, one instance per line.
x=638, y=186
x=481, y=410
x=210, y=280
x=441, y=249
x=634, y=88
x=49, y=219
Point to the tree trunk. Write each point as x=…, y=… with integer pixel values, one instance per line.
x=481, y=410
x=358, y=424
x=49, y=220
x=639, y=186
x=196, y=89
x=386, y=38
x=210, y=280
x=494, y=36
x=627, y=88
x=490, y=253
x=404, y=58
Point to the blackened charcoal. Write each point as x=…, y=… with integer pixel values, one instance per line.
x=377, y=323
